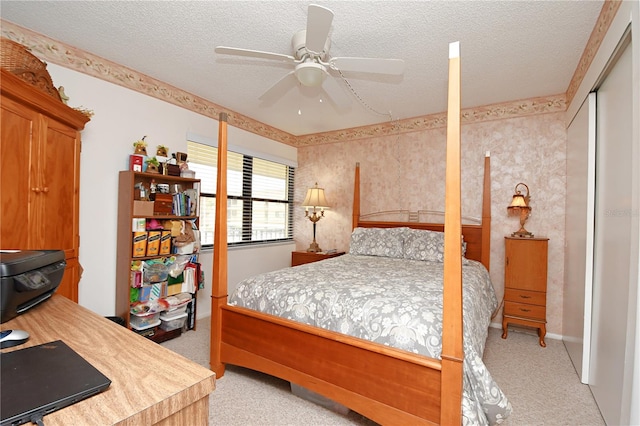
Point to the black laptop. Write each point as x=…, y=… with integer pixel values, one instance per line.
x=41, y=379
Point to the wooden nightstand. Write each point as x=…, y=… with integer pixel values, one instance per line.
x=525, y=284
x=302, y=257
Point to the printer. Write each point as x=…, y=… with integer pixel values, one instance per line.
x=28, y=277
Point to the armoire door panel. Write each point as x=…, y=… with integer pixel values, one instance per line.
x=60, y=188
x=16, y=153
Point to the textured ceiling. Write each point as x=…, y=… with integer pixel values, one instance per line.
x=509, y=50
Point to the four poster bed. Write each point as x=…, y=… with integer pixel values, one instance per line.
x=406, y=373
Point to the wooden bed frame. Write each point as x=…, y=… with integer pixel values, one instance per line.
x=384, y=384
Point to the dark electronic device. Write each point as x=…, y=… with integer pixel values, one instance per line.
x=41, y=379
x=28, y=278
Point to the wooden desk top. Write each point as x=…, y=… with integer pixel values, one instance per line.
x=149, y=382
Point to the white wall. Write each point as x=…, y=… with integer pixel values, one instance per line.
x=121, y=117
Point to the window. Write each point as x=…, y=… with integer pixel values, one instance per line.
x=259, y=192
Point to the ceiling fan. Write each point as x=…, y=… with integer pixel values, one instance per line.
x=311, y=60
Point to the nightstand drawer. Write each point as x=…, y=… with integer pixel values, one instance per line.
x=523, y=310
x=524, y=296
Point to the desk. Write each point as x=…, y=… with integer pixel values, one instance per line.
x=150, y=384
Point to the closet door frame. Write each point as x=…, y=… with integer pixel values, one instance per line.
x=579, y=229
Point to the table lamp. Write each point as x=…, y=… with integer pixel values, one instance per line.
x=520, y=207
x=315, y=201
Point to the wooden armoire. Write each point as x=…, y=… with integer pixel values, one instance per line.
x=40, y=172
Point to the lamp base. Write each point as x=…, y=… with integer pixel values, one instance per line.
x=522, y=234
x=314, y=248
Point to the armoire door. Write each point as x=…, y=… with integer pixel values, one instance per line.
x=16, y=152
x=60, y=187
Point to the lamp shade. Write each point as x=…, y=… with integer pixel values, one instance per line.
x=518, y=201
x=315, y=198
x=310, y=74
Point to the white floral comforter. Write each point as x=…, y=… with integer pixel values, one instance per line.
x=391, y=301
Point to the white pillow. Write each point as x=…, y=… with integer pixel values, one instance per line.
x=385, y=242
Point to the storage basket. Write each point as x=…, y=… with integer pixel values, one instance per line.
x=172, y=322
x=17, y=59
x=141, y=322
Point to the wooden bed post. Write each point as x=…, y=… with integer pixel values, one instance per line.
x=219, y=272
x=486, y=213
x=356, y=198
x=452, y=352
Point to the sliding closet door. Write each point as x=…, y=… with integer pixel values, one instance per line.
x=579, y=220
x=612, y=264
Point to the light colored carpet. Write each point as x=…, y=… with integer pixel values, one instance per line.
x=541, y=384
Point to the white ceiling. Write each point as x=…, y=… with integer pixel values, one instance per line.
x=510, y=50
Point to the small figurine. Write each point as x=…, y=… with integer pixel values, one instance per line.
x=152, y=189
x=162, y=151
x=63, y=97
x=140, y=147
x=152, y=165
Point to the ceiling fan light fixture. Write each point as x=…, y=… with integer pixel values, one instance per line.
x=310, y=74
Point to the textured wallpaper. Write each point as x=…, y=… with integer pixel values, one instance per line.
x=406, y=171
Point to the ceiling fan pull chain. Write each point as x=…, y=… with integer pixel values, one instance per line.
x=357, y=96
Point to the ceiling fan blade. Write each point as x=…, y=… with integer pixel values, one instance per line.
x=370, y=65
x=281, y=87
x=254, y=53
x=318, y=25
x=335, y=92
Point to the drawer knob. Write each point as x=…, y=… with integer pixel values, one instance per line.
x=525, y=297
x=525, y=310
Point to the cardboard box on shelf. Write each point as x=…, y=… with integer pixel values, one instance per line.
x=174, y=289
x=139, y=244
x=153, y=242
x=165, y=242
x=135, y=162
x=142, y=208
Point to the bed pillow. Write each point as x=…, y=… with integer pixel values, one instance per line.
x=426, y=245
x=385, y=242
